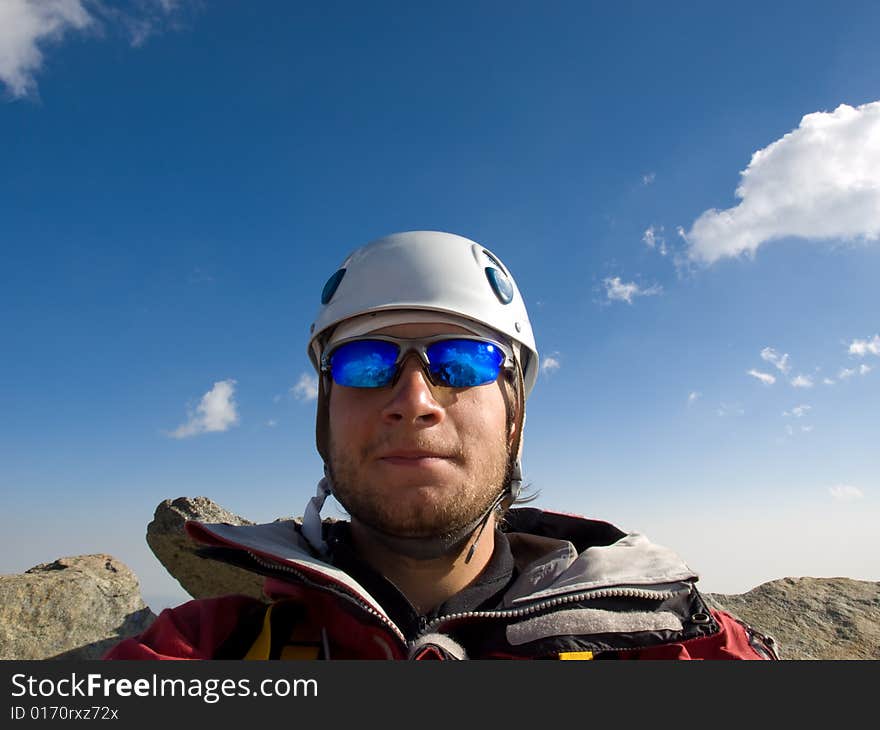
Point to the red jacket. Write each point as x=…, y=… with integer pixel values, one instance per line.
x=583, y=590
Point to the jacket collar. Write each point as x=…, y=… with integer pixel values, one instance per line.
x=556, y=555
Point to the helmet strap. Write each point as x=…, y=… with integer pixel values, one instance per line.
x=312, y=526
x=485, y=519
x=515, y=477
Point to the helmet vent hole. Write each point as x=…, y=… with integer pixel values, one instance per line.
x=331, y=286
x=495, y=261
x=500, y=285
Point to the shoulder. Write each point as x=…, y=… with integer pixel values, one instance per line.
x=196, y=629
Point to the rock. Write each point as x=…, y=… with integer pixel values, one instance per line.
x=812, y=618
x=199, y=577
x=74, y=608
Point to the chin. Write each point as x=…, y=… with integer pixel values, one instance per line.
x=421, y=519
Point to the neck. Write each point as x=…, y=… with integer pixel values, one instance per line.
x=427, y=582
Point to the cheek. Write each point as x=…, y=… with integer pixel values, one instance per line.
x=482, y=417
x=343, y=416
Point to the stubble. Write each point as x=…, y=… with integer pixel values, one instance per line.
x=418, y=507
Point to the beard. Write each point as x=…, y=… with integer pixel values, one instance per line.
x=421, y=506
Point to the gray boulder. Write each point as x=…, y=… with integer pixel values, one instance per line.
x=199, y=577
x=812, y=618
x=74, y=608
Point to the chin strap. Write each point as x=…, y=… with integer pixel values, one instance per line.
x=506, y=498
x=484, y=520
x=312, y=528
x=515, y=487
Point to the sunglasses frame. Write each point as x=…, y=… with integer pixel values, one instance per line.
x=419, y=345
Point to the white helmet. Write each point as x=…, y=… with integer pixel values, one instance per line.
x=430, y=271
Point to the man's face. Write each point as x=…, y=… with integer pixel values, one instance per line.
x=415, y=460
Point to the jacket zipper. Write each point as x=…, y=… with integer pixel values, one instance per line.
x=338, y=590
x=427, y=627
x=595, y=594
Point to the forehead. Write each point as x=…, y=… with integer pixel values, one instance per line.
x=421, y=329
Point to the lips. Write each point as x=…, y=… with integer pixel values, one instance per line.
x=412, y=454
x=412, y=457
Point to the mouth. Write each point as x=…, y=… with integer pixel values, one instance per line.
x=413, y=457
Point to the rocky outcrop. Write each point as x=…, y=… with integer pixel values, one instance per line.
x=177, y=552
x=74, y=608
x=813, y=618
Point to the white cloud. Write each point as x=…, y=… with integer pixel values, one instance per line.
x=846, y=373
x=806, y=429
x=26, y=26
x=550, y=363
x=771, y=356
x=863, y=347
x=819, y=181
x=845, y=492
x=306, y=387
x=215, y=412
x=802, y=381
x=271, y=423
x=693, y=397
x=798, y=411
x=653, y=238
x=648, y=178
x=828, y=381
x=617, y=290
x=765, y=378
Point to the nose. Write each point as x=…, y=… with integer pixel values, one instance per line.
x=412, y=398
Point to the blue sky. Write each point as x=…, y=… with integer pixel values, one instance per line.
x=178, y=179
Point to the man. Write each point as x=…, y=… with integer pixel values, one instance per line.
x=426, y=356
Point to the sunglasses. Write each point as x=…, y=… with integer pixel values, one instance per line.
x=452, y=361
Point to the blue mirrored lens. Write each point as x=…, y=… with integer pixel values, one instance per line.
x=364, y=364
x=464, y=363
